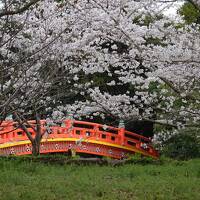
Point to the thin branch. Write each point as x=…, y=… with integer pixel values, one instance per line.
x=162, y=122
x=170, y=84
x=20, y=10
x=23, y=127
x=195, y=3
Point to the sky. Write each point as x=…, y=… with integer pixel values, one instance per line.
x=171, y=10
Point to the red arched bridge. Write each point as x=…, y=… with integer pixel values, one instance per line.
x=78, y=136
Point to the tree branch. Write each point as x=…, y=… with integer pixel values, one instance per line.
x=170, y=84
x=23, y=127
x=20, y=10
x=161, y=122
x=195, y=3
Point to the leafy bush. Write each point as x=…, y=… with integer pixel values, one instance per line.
x=182, y=146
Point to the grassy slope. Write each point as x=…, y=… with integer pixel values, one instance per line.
x=25, y=180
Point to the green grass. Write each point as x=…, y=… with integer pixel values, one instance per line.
x=21, y=179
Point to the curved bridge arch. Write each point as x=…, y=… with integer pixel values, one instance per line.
x=79, y=136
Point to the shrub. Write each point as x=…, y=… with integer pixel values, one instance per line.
x=182, y=146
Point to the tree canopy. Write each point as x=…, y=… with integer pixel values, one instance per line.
x=118, y=59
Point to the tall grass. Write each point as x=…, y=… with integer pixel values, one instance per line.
x=177, y=180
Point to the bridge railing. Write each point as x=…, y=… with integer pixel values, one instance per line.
x=84, y=131
x=114, y=135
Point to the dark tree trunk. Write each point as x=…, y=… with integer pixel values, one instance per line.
x=35, y=141
x=36, y=147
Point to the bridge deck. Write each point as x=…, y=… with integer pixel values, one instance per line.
x=80, y=136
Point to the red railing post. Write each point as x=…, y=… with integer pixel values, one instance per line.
x=96, y=132
x=69, y=126
x=68, y=123
x=121, y=132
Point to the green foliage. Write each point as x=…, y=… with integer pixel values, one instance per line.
x=190, y=13
x=142, y=160
x=182, y=146
x=147, y=20
x=156, y=41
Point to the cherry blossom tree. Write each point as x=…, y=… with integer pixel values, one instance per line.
x=31, y=53
x=147, y=65
x=117, y=59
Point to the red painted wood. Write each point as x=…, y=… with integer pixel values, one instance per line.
x=112, y=141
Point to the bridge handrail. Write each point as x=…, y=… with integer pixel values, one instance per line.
x=113, y=128
x=81, y=129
